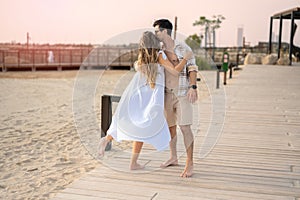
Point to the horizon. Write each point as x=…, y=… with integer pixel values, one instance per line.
x=96, y=22
x=105, y=44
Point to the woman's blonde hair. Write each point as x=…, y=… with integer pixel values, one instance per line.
x=148, y=57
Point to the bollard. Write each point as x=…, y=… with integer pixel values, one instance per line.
x=218, y=79
x=230, y=70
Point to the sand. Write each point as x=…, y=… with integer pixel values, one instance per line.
x=41, y=150
x=43, y=147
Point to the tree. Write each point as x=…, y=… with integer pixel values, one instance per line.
x=193, y=41
x=210, y=25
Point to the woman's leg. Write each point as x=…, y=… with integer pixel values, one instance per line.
x=103, y=143
x=136, y=150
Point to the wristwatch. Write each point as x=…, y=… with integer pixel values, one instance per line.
x=193, y=86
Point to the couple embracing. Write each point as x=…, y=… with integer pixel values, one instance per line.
x=158, y=99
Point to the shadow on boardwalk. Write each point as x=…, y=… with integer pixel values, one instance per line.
x=256, y=157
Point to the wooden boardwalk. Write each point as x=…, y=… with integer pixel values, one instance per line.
x=256, y=157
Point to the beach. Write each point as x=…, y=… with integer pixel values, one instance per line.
x=43, y=146
x=41, y=150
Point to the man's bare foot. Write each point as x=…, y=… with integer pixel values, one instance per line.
x=170, y=162
x=187, y=172
x=102, y=145
x=136, y=166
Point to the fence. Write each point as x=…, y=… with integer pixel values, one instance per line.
x=59, y=59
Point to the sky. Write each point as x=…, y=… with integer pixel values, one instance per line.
x=99, y=21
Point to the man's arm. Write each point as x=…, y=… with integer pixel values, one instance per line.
x=192, y=70
x=192, y=93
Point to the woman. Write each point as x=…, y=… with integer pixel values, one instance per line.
x=140, y=114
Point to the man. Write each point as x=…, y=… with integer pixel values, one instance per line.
x=178, y=101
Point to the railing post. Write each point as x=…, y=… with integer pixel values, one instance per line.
x=106, y=116
x=46, y=54
x=71, y=60
x=18, y=58
x=107, y=57
x=59, y=68
x=97, y=52
x=119, y=55
x=33, y=61
x=3, y=61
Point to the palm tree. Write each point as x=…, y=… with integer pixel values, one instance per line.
x=210, y=25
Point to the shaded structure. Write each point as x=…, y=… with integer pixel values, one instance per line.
x=292, y=14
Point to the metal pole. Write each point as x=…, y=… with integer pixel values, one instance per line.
x=291, y=38
x=270, y=36
x=214, y=44
x=225, y=77
x=218, y=78
x=205, y=41
x=175, y=28
x=279, y=40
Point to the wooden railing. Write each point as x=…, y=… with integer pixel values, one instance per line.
x=100, y=57
x=106, y=114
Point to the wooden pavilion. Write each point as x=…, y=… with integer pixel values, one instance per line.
x=291, y=14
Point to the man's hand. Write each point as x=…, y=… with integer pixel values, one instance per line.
x=188, y=55
x=192, y=95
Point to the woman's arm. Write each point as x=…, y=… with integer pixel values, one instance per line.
x=170, y=67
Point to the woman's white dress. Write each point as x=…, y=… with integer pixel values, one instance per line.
x=140, y=113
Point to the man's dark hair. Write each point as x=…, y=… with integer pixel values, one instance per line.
x=164, y=24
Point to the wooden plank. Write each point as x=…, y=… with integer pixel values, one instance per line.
x=146, y=190
x=256, y=157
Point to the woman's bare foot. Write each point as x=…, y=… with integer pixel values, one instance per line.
x=102, y=145
x=187, y=172
x=136, y=166
x=170, y=162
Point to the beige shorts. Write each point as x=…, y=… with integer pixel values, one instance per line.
x=178, y=110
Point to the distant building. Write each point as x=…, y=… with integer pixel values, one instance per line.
x=240, y=33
